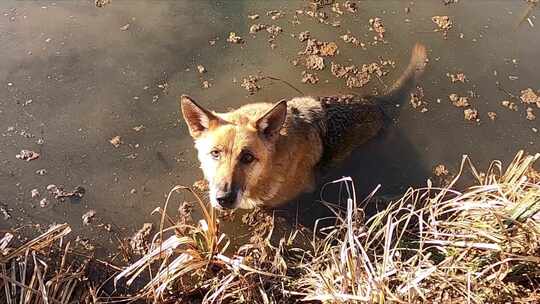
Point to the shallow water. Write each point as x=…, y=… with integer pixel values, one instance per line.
x=88, y=81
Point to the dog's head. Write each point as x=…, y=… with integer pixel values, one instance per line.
x=235, y=150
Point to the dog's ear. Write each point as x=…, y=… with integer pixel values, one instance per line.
x=197, y=118
x=272, y=121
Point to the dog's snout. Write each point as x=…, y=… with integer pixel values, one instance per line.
x=226, y=199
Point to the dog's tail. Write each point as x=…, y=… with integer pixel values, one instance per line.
x=398, y=94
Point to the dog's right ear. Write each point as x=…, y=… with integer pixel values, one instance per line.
x=197, y=118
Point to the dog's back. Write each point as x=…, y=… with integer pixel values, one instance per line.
x=348, y=121
x=268, y=154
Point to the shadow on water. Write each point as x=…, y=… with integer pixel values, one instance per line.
x=389, y=160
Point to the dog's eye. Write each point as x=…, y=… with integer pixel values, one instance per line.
x=215, y=154
x=247, y=158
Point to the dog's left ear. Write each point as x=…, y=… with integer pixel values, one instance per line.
x=272, y=121
x=197, y=118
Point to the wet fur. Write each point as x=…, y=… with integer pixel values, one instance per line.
x=289, y=140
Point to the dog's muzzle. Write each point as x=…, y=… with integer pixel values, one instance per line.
x=226, y=199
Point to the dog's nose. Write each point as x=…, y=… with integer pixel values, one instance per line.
x=226, y=199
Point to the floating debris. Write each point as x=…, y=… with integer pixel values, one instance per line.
x=444, y=24
x=250, y=84
x=459, y=101
x=274, y=30
x=138, y=128
x=376, y=25
x=492, y=115
x=440, y=170
x=448, y=2
x=529, y=96
x=201, y=69
x=417, y=99
x=101, y=3
x=125, y=27
x=34, y=193
x=206, y=84
x=303, y=36
x=357, y=80
x=336, y=8
x=329, y=49
x=87, y=217
x=471, y=115
x=44, y=202
x=359, y=77
x=314, y=62
x=234, y=39
x=351, y=6
x=116, y=141
x=257, y=27
x=59, y=192
x=253, y=17
x=310, y=78
x=459, y=77
x=41, y=172
x=275, y=14
x=315, y=47
x=5, y=213
x=510, y=105
x=341, y=71
x=348, y=38
x=27, y=155
x=530, y=114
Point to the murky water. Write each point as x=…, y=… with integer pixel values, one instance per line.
x=90, y=77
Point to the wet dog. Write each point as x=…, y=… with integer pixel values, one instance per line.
x=266, y=154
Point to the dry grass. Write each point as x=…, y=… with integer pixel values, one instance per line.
x=433, y=245
x=191, y=261
x=35, y=272
x=480, y=245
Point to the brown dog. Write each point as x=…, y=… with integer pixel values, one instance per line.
x=267, y=154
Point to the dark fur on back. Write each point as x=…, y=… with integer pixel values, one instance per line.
x=351, y=120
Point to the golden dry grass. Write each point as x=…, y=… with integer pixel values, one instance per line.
x=436, y=244
x=478, y=245
x=32, y=273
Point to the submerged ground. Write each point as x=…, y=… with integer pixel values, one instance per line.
x=74, y=77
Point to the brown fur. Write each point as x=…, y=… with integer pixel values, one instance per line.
x=287, y=140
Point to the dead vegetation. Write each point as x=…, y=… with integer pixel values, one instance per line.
x=433, y=244
x=38, y=272
x=444, y=24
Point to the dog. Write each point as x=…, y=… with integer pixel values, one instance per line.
x=265, y=154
